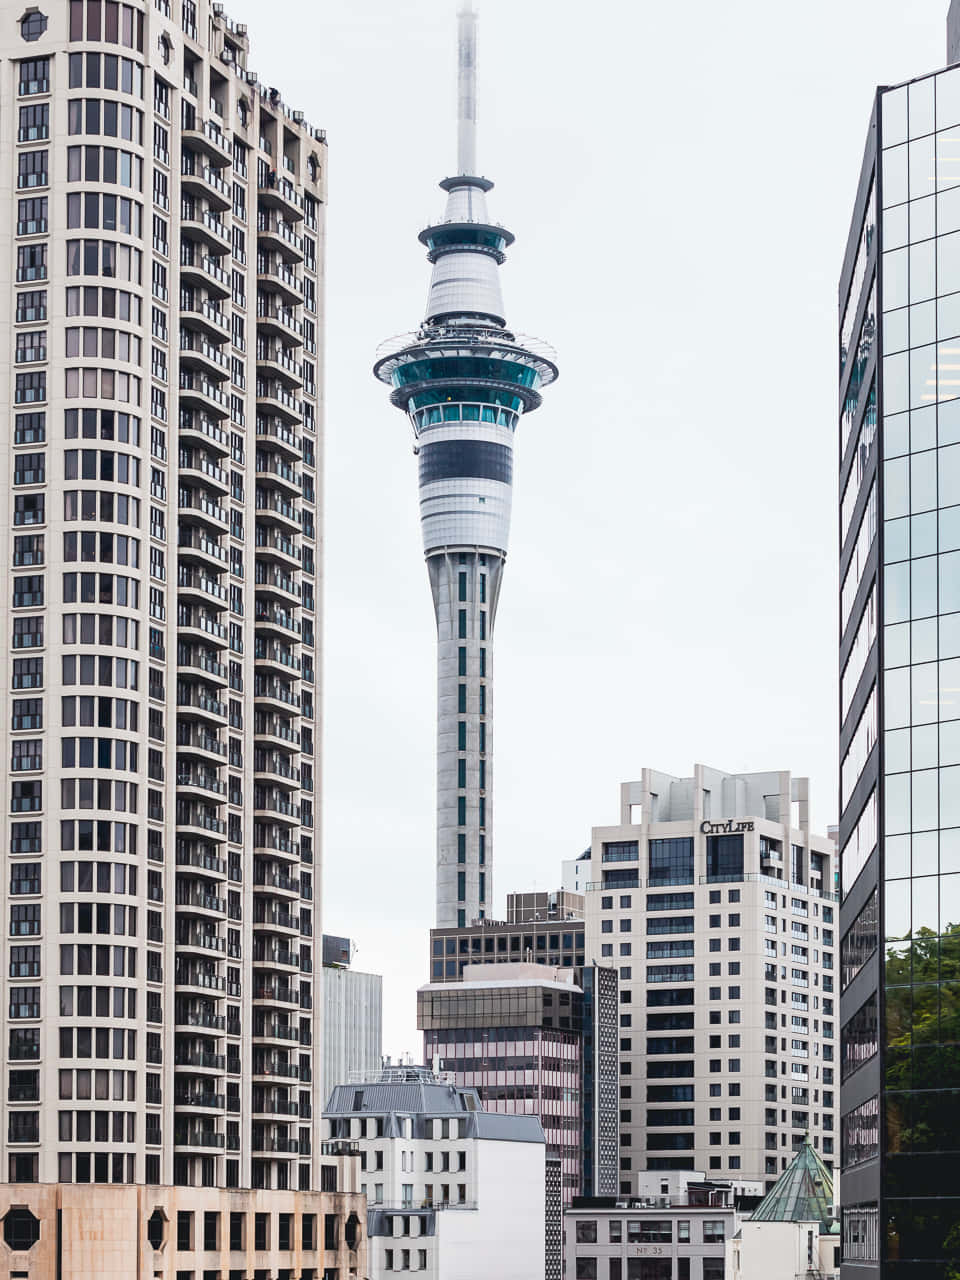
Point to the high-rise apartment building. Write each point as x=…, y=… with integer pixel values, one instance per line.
x=464, y=380
x=163, y=283
x=899, y=317
x=714, y=900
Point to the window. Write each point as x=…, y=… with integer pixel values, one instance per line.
x=30, y=387
x=28, y=468
x=725, y=857
x=32, y=25
x=28, y=591
x=671, y=861
x=32, y=169
x=34, y=124
x=34, y=77
x=713, y=1231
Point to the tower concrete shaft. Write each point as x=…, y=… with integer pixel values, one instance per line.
x=464, y=380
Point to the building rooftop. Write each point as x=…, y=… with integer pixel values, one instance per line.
x=802, y=1193
x=417, y=1092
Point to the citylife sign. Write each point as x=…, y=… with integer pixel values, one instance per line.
x=724, y=828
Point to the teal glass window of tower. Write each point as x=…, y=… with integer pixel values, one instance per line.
x=920, y=540
x=483, y=367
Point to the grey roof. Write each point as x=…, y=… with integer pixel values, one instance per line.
x=421, y=1096
x=411, y=1098
x=491, y=1124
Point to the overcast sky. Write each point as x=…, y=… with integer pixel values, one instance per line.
x=679, y=177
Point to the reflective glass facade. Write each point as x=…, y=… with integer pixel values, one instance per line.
x=899, y=313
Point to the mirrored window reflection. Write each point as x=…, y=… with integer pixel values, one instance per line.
x=920, y=106
x=893, y=115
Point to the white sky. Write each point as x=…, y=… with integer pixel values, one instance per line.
x=679, y=178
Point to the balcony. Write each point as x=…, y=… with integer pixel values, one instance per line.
x=203, y=1139
x=199, y=1018
x=193, y=899
x=278, y=193
x=275, y=1107
x=270, y=617
x=271, y=766
x=268, y=919
x=198, y=940
x=275, y=234
x=200, y=179
x=192, y=545
x=276, y=319
x=198, y=391
x=276, y=882
x=276, y=1146
x=199, y=1059
x=199, y=1101
x=275, y=1067
x=276, y=655
x=275, y=993
x=199, y=857
x=274, y=362
x=273, y=397
x=200, y=780
x=207, y=227
x=191, y=739
x=273, y=509
x=198, y=353
x=196, y=582
x=206, y=316
x=275, y=277
x=208, y=138
x=271, y=545
x=199, y=507
x=198, y=704
x=195, y=423
x=274, y=956
x=271, y=581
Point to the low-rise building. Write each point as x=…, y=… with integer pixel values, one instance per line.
x=686, y=1227
x=793, y=1232
x=453, y=1191
x=87, y=1232
x=676, y=1228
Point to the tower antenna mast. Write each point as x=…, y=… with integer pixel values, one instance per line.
x=467, y=89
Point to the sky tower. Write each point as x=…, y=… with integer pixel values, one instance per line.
x=464, y=379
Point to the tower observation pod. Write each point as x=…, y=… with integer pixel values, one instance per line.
x=464, y=379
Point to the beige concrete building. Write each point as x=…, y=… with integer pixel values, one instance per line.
x=163, y=277
x=124, y=1232
x=715, y=901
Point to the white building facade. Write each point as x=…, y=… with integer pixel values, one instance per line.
x=715, y=902
x=352, y=1017
x=453, y=1192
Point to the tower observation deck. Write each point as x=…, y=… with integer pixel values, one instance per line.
x=464, y=379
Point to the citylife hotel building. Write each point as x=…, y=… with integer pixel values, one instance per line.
x=899, y=312
x=163, y=281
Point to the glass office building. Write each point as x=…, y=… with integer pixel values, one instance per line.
x=899, y=314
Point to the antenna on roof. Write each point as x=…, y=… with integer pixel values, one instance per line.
x=467, y=89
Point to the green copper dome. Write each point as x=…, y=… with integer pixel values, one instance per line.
x=802, y=1193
